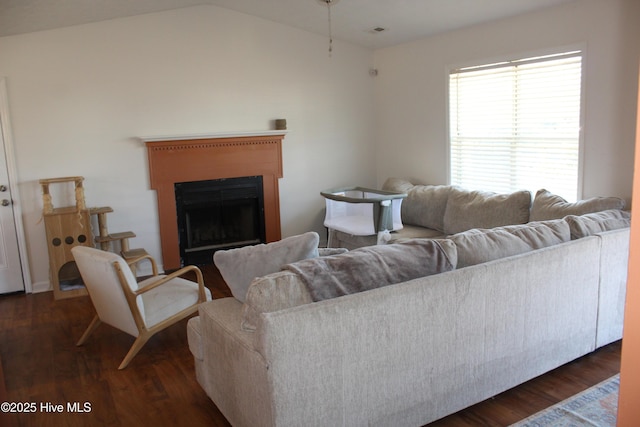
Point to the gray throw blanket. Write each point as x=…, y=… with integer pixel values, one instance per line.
x=374, y=266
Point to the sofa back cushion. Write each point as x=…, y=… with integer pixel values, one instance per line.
x=373, y=267
x=547, y=205
x=480, y=209
x=240, y=266
x=424, y=205
x=397, y=185
x=477, y=246
x=358, y=270
x=273, y=292
x=597, y=222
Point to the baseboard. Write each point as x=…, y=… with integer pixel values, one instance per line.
x=39, y=287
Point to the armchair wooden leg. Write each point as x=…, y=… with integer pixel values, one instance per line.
x=135, y=348
x=92, y=327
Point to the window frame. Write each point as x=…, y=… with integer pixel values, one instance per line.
x=522, y=56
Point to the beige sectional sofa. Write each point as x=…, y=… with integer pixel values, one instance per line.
x=405, y=350
x=440, y=210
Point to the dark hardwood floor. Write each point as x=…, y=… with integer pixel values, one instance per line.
x=41, y=364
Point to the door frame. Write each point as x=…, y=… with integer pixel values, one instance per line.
x=12, y=171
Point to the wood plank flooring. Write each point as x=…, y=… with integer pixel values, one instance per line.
x=40, y=363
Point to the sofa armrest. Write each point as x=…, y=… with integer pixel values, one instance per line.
x=235, y=375
x=614, y=256
x=194, y=337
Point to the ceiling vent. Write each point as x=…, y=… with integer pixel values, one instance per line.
x=377, y=30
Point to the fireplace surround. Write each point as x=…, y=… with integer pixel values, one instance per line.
x=189, y=158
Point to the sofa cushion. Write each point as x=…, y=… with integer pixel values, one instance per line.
x=597, y=222
x=425, y=206
x=273, y=292
x=415, y=232
x=374, y=266
x=286, y=289
x=240, y=266
x=397, y=185
x=547, y=205
x=480, y=209
x=477, y=246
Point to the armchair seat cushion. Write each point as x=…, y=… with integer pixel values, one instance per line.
x=168, y=299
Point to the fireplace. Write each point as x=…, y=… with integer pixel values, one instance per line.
x=180, y=159
x=218, y=214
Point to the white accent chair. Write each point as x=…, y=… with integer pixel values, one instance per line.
x=139, y=309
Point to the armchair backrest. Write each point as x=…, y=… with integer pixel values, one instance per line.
x=99, y=275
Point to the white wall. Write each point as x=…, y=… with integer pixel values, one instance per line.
x=79, y=96
x=411, y=88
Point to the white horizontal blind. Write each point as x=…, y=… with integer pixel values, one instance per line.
x=516, y=125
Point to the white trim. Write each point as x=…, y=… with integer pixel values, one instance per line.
x=210, y=135
x=39, y=287
x=516, y=62
x=510, y=56
x=583, y=123
x=447, y=123
x=13, y=180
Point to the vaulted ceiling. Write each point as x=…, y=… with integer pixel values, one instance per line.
x=353, y=21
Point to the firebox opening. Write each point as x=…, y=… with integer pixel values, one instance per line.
x=218, y=214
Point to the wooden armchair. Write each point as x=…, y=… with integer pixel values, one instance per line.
x=139, y=309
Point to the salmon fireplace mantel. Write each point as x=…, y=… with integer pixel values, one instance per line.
x=186, y=158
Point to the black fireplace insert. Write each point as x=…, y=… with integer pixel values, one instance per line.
x=218, y=214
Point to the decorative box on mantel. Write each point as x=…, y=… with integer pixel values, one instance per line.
x=187, y=158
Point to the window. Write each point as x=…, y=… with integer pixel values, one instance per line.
x=516, y=125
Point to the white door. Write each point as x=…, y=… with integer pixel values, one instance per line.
x=11, y=279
